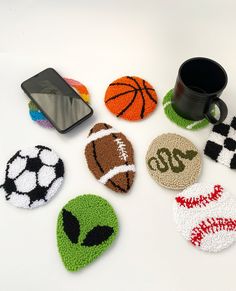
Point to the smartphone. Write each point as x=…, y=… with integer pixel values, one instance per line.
x=61, y=105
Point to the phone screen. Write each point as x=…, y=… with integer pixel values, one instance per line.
x=57, y=100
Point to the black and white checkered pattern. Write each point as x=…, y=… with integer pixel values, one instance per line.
x=221, y=145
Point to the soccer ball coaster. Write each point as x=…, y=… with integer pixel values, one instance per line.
x=221, y=145
x=32, y=177
x=86, y=227
x=173, y=161
x=131, y=98
x=37, y=116
x=177, y=119
x=110, y=157
x=206, y=216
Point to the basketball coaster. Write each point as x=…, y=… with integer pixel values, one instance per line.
x=206, y=216
x=173, y=161
x=37, y=116
x=86, y=227
x=110, y=157
x=221, y=145
x=177, y=119
x=32, y=177
x=131, y=98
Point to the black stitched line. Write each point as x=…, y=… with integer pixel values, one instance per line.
x=148, y=93
x=143, y=106
x=127, y=107
x=122, y=84
x=118, y=95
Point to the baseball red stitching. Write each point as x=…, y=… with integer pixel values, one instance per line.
x=202, y=200
x=211, y=225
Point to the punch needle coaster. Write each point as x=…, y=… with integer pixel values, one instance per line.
x=130, y=98
x=221, y=145
x=177, y=119
x=110, y=157
x=206, y=216
x=32, y=177
x=173, y=161
x=86, y=227
x=36, y=114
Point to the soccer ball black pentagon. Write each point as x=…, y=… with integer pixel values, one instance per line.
x=33, y=176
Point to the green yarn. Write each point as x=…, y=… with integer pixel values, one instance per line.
x=77, y=244
x=177, y=119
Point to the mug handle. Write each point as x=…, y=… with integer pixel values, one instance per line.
x=223, y=111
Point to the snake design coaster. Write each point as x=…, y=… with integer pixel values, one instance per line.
x=36, y=114
x=32, y=177
x=110, y=157
x=173, y=161
x=177, y=119
x=206, y=216
x=86, y=227
x=131, y=98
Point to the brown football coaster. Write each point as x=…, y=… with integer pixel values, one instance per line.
x=110, y=157
x=173, y=161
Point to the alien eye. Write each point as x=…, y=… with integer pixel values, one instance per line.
x=97, y=235
x=71, y=226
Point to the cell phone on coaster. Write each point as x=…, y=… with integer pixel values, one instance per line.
x=62, y=106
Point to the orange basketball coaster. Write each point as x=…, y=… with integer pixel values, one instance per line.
x=131, y=98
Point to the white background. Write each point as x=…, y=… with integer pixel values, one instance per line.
x=96, y=42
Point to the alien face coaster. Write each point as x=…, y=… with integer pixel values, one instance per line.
x=37, y=116
x=221, y=145
x=110, y=157
x=173, y=161
x=131, y=98
x=32, y=177
x=86, y=227
x=177, y=119
x=206, y=216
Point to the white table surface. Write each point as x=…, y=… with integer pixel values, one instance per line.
x=96, y=42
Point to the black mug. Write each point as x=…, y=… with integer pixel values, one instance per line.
x=198, y=87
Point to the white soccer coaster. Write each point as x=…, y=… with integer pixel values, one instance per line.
x=32, y=177
x=206, y=216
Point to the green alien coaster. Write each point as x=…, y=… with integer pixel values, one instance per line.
x=86, y=227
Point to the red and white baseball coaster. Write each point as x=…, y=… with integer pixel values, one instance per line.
x=206, y=216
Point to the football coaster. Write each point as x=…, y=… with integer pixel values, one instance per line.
x=206, y=216
x=177, y=119
x=86, y=227
x=32, y=177
x=131, y=98
x=173, y=161
x=37, y=116
x=221, y=145
x=110, y=157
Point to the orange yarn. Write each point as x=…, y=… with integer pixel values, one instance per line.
x=131, y=98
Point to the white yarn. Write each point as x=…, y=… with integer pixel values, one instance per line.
x=116, y=170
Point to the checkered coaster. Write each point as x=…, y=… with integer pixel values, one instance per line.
x=221, y=145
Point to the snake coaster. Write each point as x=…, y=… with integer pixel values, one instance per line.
x=131, y=98
x=177, y=119
x=36, y=114
x=206, y=216
x=86, y=227
x=32, y=177
x=173, y=161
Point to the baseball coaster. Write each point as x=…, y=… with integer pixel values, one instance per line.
x=32, y=177
x=131, y=98
x=173, y=161
x=37, y=116
x=221, y=145
x=86, y=227
x=206, y=216
x=110, y=157
x=177, y=119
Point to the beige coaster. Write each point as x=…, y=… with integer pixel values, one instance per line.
x=173, y=161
